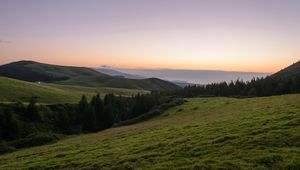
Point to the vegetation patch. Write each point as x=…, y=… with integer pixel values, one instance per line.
x=243, y=134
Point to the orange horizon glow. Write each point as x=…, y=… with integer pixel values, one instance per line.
x=247, y=36
x=171, y=66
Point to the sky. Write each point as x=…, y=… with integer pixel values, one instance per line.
x=230, y=35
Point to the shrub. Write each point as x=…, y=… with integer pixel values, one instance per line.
x=4, y=148
x=33, y=112
x=35, y=140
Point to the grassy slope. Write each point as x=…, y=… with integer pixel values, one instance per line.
x=289, y=72
x=258, y=133
x=13, y=90
x=80, y=76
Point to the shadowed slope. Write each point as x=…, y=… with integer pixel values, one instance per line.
x=34, y=71
x=289, y=72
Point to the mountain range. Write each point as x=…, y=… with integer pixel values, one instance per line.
x=185, y=77
x=117, y=73
x=80, y=76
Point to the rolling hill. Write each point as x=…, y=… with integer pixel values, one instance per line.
x=204, y=133
x=80, y=76
x=17, y=90
x=289, y=72
x=117, y=73
x=193, y=76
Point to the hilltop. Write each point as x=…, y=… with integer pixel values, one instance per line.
x=80, y=76
x=291, y=71
x=117, y=73
x=203, y=133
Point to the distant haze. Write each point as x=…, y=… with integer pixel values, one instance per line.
x=194, y=76
x=242, y=35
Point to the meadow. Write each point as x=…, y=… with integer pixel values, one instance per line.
x=203, y=133
x=15, y=90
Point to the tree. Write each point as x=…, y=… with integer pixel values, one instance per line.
x=33, y=111
x=9, y=125
x=252, y=92
x=2, y=121
x=98, y=108
x=109, y=109
x=63, y=122
x=86, y=115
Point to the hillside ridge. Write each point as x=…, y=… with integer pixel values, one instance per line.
x=288, y=72
x=13, y=90
x=82, y=76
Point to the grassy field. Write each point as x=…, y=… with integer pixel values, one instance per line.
x=203, y=133
x=15, y=90
x=80, y=76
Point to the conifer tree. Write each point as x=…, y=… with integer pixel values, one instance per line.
x=86, y=115
x=98, y=107
x=33, y=111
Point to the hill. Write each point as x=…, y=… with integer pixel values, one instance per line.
x=203, y=133
x=80, y=76
x=17, y=90
x=286, y=81
x=112, y=72
x=193, y=76
x=117, y=73
x=289, y=72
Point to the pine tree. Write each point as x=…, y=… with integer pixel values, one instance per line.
x=98, y=107
x=10, y=125
x=2, y=121
x=109, y=104
x=33, y=111
x=63, y=122
x=86, y=115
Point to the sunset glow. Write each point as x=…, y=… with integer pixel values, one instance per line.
x=256, y=36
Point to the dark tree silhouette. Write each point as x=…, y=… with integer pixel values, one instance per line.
x=98, y=108
x=33, y=111
x=86, y=115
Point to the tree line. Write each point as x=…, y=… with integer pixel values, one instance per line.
x=255, y=88
x=30, y=124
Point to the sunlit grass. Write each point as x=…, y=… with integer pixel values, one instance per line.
x=14, y=90
x=207, y=133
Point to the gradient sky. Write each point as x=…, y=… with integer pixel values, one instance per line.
x=240, y=35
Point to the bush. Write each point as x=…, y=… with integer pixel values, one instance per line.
x=33, y=111
x=35, y=140
x=4, y=148
x=154, y=112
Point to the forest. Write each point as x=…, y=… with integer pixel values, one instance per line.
x=23, y=125
x=257, y=87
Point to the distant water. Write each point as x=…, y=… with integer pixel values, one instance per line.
x=194, y=76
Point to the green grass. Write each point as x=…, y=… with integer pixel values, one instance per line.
x=80, y=76
x=15, y=90
x=203, y=133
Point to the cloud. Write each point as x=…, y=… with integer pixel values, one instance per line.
x=4, y=41
x=106, y=66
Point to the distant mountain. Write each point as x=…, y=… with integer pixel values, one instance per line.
x=116, y=73
x=182, y=83
x=289, y=72
x=39, y=72
x=193, y=76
